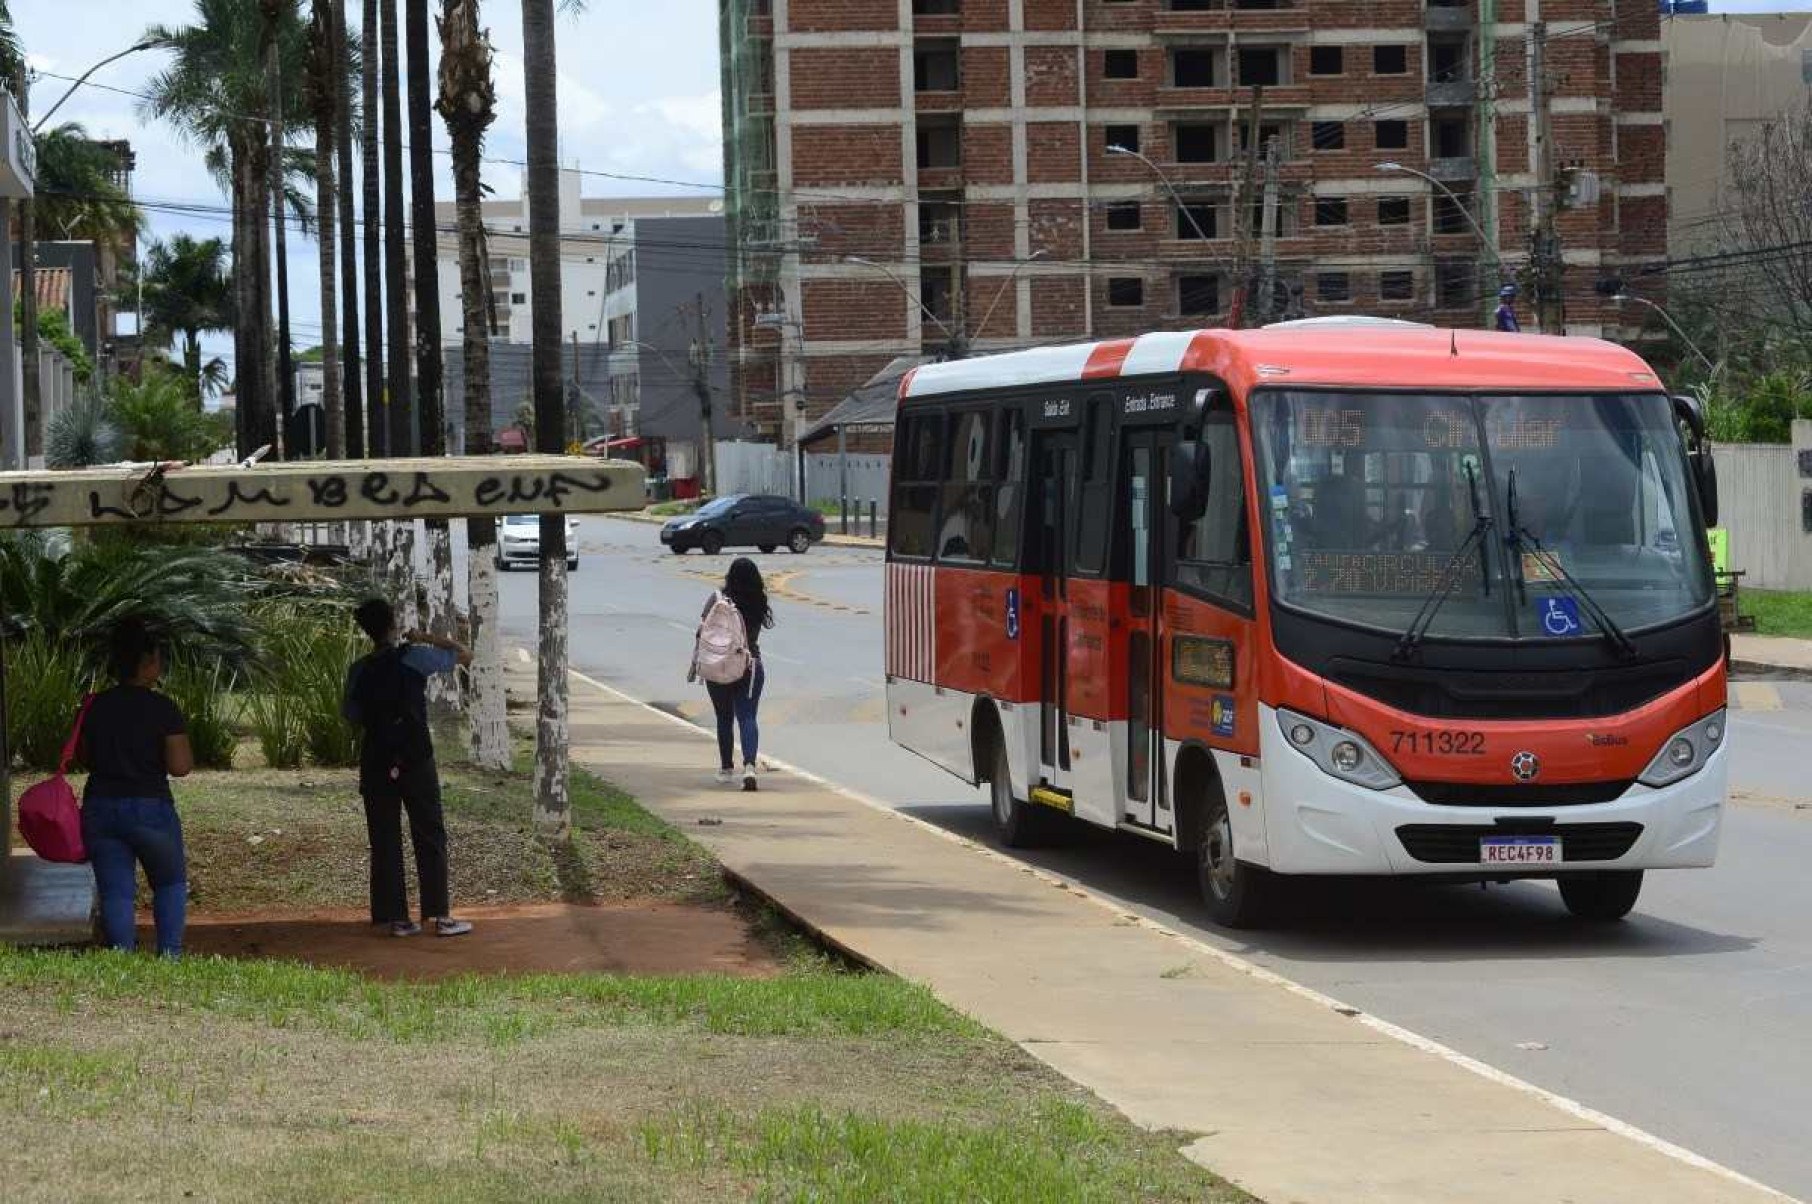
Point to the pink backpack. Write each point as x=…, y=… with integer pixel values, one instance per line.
x=721, y=653
x=49, y=817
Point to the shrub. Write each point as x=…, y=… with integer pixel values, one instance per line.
x=331, y=740
x=160, y=421
x=300, y=684
x=45, y=681
x=202, y=690
x=82, y=435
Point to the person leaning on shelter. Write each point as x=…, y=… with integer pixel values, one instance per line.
x=387, y=699
x=134, y=740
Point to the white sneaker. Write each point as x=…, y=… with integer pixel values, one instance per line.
x=748, y=778
x=725, y=777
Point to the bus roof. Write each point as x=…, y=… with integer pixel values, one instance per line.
x=1370, y=356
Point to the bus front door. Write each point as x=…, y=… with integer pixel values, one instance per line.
x=1147, y=804
x=1056, y=493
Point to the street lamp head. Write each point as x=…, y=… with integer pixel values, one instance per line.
x=1391, y=165
x=1114, y=148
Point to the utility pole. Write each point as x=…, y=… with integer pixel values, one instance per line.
x=1485, y=105
x=1550, y=309
x=1243, y=189
x=1267, y=239
x=701, y=385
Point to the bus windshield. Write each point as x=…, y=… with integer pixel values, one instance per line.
x=1368, y=497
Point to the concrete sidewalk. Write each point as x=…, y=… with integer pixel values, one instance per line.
x=1770, y=654
x=1280, y=1089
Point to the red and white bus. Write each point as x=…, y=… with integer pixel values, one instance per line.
x=1335, y=597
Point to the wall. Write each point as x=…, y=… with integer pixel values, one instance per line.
x=678, y=259
x=1759, y=504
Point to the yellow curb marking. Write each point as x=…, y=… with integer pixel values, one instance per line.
x=1756, y=696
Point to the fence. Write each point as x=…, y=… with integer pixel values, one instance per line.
x=1759, y=504
x=764, y=468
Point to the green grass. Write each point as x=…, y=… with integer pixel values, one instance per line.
x=1778, y=612
x=124, y=1077
x=671, y=509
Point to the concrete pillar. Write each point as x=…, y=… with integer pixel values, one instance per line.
x=12, y=381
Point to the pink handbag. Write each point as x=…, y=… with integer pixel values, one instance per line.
x=50, y=819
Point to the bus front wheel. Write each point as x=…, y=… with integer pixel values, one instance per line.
x=1602, y=895
x=1238, y=894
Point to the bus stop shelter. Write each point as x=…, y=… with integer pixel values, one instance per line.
x=45, y=904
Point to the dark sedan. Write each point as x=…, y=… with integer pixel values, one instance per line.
x=737, y=521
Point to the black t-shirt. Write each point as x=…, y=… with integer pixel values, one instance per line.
x=124, y=739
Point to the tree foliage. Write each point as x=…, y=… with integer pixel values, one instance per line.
x=188, y=291
x=158, y=419
x=78, y=194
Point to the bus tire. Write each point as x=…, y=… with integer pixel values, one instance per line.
x=1019, y=824
x=1238, y=894
x=1601, y=895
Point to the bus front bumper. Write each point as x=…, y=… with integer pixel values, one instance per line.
x=1316, y=823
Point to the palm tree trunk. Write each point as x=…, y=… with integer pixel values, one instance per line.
x=353, y=396
x=191, y=362
x=428, y=374
x=256, y=422
x=396, y=288
x=377, y=432
x=468, y=104
x=286, y=372
x=552, y=812
x=326, y=214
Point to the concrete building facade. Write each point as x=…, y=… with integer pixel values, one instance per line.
x=632, y=271
x=905, y=175
x=1727, y=76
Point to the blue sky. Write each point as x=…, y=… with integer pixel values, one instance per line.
x=638, y=96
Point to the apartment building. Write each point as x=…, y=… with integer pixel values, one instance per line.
x=633, y=270
x=939, y=176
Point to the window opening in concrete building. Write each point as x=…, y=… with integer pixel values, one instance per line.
x=1263, y=66
x=1198, y=293
x=1454, y=281
x=1450, y=217
x=1120, y=64
x=937, y=289
x=1192, y=67
x=936, y=8
x=940, y=142
x=1267, y=130
x=1327, y=60
x=939, y=217
x=1328, y=135
x=1125, y=292
x=934, y=65
x=1452, y=137
x=1124, y=215
x=1391, y=135
x=1124, y=136
x=1196, y=142
x=1390, y=60
x=1333, y=286
x=1205, y=215
x=1397, y=285
x=1393, y=211
x=1448, y=60
x=1330, y=211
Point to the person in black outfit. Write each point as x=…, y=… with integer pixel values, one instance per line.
x=134, y=740
x=387, y=698
x=737, y=702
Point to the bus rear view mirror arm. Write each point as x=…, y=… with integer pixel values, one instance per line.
x=1189, y=470
x=1690, y=410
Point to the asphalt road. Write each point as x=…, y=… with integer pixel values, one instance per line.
x=1692, y=1019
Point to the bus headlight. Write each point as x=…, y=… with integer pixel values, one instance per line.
x=1686, y=752
x=1339, y=753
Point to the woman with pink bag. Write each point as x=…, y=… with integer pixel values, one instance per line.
x=133, y=741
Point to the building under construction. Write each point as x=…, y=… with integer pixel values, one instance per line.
x=959, y=176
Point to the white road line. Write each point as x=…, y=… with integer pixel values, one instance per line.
x=1253, y=970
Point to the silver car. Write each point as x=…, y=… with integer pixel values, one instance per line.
x=519, y=542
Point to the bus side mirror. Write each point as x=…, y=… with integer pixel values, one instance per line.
x=1691, y=411
x=1705, y=477
x=1189, y=468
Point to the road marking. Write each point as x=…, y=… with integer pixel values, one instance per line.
x=1254, y=970
x=1756, y=696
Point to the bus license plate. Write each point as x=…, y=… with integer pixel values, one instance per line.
x=1519, y=850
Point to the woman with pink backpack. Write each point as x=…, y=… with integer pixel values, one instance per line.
x=727, y=655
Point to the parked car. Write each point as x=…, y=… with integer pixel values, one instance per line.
x=737, y=521
x=519, y=542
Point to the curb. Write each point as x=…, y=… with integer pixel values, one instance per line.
x=1769, y=671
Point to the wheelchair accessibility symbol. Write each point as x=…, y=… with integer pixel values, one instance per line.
x=1560, y=616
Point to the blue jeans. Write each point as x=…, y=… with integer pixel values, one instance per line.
x=737, y=703
x=122, y=834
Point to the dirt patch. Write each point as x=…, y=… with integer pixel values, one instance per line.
x=636, y=937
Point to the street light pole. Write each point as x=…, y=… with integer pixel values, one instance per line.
x=1489, y=243
x=1011, y=277
x=1621, y=298
x=959, y=346
x=145, y=44
x=1168, y=186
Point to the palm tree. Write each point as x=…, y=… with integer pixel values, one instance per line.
x=78, y=195
x=377, y=433
x=218, y=94
x=552, y=812
x=275, y=12
x=188, y=291
x=468, y=104
x=323, y=93
x=402, y=548
x=351, y=386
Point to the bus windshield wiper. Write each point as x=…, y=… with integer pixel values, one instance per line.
x=1449, y=579
x=1519, y=537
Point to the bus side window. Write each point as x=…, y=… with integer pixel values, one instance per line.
x=916, y=472
x=1214, y=553
x=966, y=532
x=1010, y=493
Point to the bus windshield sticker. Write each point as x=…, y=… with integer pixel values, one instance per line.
x=1536, y=568
x=1013, y=613
x=1559, y=616
x=1222, y=715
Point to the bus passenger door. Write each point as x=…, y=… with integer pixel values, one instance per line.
x=1054, y=492
x=1147, y=518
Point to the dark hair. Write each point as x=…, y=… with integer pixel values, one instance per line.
x=131, y=643
x=744, y=587
x=376, y=618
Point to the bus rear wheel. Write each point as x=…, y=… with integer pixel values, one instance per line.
x=1238, y=894
x=1602, y=895
x=1018, y=824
